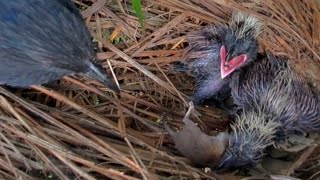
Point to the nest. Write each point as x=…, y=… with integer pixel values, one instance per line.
x=76, y=128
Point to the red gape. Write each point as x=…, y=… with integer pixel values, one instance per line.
x=228, y=67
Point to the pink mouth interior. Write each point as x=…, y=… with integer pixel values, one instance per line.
x=228, y=67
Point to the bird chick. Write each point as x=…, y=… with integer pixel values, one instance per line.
x=42, y=41
x=216, y=52
x=276, y=102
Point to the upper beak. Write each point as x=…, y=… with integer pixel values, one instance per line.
x=97, y=72
x=227, y=67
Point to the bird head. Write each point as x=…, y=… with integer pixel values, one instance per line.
x=239, y=43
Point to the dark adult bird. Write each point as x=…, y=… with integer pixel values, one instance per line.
x=216, y=52
x=276, y=102
x=42, y=41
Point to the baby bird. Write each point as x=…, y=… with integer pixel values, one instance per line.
x=216, y=52
x=276, y=103
x=42, y=41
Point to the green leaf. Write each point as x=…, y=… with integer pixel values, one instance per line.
x=117, y=40
x=137, y=7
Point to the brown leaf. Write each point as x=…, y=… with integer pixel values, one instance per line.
x=200, y=148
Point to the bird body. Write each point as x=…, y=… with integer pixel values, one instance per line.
x=42, y=41
x=216, y=52
x=276, y=103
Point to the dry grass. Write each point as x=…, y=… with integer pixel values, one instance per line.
x=78, y=129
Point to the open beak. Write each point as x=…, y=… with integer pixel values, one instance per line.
x=97, y=72
x=228, y=67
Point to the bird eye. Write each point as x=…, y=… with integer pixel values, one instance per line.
x=215, y=39
x=218, y=39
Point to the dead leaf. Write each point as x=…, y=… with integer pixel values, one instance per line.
x=198, y=147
